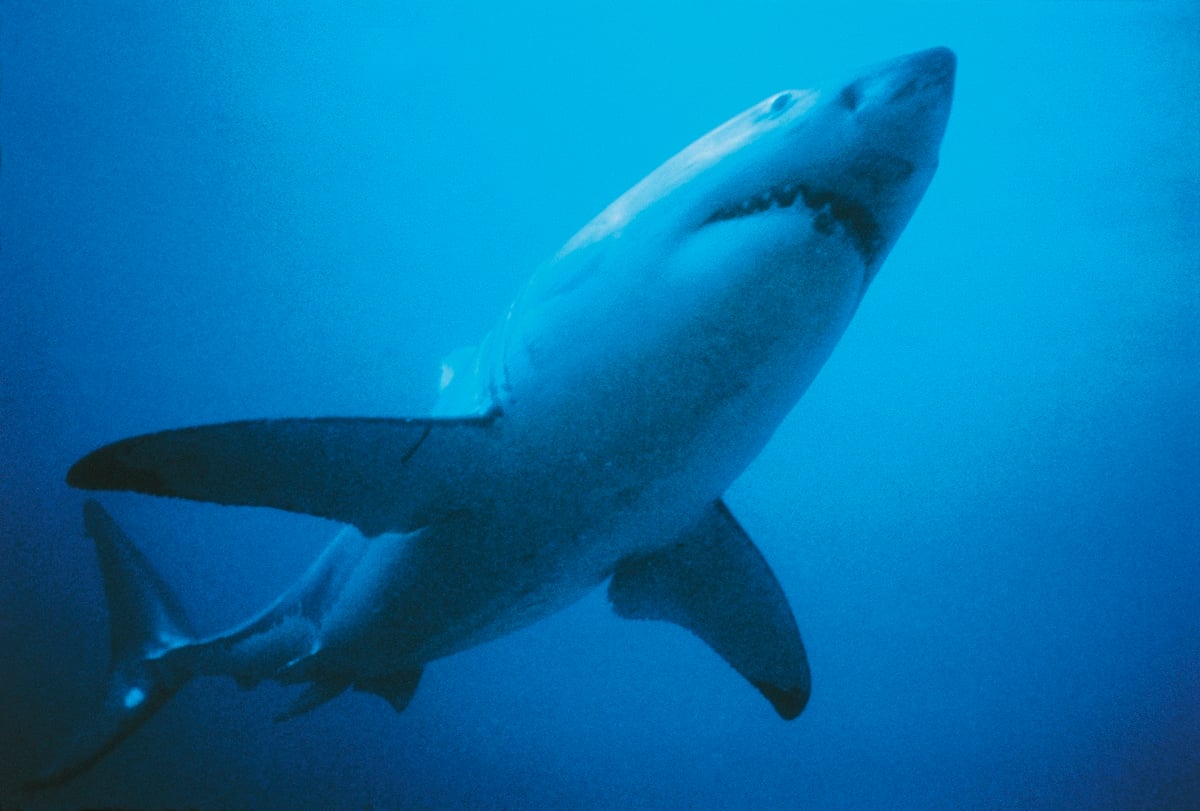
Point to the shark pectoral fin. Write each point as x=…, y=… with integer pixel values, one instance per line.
x=715, y=583
x=373, y=473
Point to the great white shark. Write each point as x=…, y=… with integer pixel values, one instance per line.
x=589, y=438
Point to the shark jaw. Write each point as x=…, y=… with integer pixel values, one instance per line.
x=825, y=210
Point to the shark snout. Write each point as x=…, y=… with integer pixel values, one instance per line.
x=931, y=68
x=904, y=103
x=927, y=79
x=921, y=77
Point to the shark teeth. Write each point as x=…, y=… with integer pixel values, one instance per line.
x=827, y=210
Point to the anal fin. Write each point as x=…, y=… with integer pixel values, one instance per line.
x=714, y=582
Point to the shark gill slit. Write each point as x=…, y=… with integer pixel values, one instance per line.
x=826, y=208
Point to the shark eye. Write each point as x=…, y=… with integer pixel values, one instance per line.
x=780, y=102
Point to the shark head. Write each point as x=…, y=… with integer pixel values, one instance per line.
x=848, y=163
x=737, y=264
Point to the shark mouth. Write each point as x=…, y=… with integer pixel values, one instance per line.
x=828, y=210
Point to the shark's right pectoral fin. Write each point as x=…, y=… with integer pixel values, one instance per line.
x=715, y=583
x=374, y=473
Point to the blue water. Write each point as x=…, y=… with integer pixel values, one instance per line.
x=985, y=512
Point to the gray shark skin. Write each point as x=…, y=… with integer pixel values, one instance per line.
x=588, y=438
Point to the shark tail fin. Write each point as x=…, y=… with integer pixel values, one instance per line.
x=146, y=623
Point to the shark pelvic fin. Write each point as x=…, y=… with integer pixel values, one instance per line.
x=146, y=624
x=396, y=689
x=715, y=583
x=378, y=474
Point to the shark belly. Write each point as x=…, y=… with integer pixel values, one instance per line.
x=644, y=400
x=448, y=588
x=625, y=447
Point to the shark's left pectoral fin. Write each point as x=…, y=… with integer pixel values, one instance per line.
x=378, y=474
x=715, y=583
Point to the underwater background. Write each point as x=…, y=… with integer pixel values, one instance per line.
x=985, y=512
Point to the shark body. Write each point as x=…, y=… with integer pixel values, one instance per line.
x=589, y=437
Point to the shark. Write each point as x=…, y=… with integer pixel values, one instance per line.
x=589, y=438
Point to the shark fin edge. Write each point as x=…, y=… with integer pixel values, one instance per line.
x=377, y=474
x=715, y=583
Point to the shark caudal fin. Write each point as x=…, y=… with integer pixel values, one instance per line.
x=146, y=622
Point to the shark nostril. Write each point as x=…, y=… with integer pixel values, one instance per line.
x=849, y=98
x=907, y=89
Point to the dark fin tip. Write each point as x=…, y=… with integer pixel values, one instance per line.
x=789, y=703
x=102, y=470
